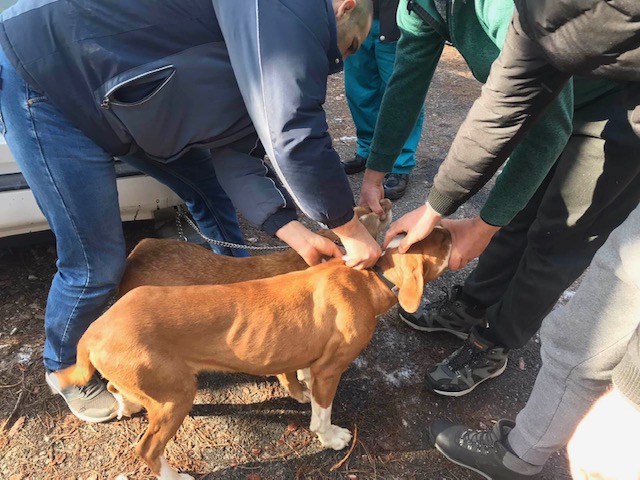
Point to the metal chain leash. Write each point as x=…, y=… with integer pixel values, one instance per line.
x=180, y=214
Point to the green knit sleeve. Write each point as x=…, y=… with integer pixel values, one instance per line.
x=417, y=55
x=530, y=162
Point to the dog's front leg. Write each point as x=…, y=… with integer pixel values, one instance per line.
x=322, y=392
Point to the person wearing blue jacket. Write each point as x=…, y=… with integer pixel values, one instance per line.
x=185, y=91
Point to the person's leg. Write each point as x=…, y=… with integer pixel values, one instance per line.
x=74, y=183
x=581, y=344
x=464, y=306
x=385, y=56
x=363, y=89
x=499, y=262
x=595, y=185
x=594, y=188
x=193, y=178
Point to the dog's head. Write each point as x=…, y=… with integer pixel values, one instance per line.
x=372, y=222
x=426, y=260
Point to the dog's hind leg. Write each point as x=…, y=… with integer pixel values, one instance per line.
x=323, y=390
x=304, y=375
x=126, y=407
x=166, y=413
x=296, y=389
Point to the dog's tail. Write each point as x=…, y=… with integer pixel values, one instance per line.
x=80, y=373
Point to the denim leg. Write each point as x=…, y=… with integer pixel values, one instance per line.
x=193, y=178
x=364, y=89
x=74, y=183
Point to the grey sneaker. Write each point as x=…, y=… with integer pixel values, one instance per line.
x=449, y=314
x=484, y=451
x=91, y=402
x=474, y=362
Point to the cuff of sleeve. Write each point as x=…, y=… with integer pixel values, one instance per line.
x=626, y=378
x=338, y=222
x=278, y=220
x=442, y=204
x=495, y=218
x=380, y=162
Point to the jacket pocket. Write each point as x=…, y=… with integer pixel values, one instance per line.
x=139, y=101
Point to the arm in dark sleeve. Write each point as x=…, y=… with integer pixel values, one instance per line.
x=417, y=55
x=520, y=88
x=279, y=53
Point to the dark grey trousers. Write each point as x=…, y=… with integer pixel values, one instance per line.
x=591, y=190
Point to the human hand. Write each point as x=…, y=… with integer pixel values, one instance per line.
x=362, y=250
x=372, y=191
x=418, y=224
x=469, y=238
x=310, y=246
x=605, y=444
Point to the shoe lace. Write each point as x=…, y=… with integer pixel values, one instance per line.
x=437, y=305
x=464, y=357
x=93, y=387
x=482, y=441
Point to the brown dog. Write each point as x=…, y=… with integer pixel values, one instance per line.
x=153, y=342
x=172, y=262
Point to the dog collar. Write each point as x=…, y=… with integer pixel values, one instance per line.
x=392, y=286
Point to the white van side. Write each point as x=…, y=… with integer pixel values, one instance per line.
x=140, y=197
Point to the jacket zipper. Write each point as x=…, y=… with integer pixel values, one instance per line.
x=106, y=101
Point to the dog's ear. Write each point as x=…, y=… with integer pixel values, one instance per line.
x=372, y=222
x=410, y=293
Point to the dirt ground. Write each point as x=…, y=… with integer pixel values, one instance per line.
x=243, y=427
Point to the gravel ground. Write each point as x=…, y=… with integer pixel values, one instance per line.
x=244, y=427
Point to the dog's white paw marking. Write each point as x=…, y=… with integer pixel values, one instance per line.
x=330, y=436
x=335, y=437
x=168, y=473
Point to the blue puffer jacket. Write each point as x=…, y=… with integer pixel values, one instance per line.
x=164, y=76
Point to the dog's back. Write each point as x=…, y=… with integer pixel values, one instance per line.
x=175, y=263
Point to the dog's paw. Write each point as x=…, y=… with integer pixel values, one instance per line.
x=335, y=437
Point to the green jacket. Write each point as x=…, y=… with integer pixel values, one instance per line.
x=477, y=29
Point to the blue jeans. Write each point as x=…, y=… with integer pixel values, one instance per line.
x=366, y=74
x=74, y=182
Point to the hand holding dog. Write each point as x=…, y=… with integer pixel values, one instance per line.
x=362, y=250
x=310, y=246
x=372, y=192
x=470, y=236
x=417, y=224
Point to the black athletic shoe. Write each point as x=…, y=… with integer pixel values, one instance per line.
x=357, y=164
x=483, y=451
x=449, y=314
x=395, y=184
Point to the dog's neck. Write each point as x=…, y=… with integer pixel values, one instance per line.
x=392, y=286
x=387, y=266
